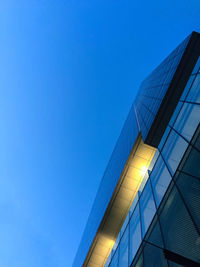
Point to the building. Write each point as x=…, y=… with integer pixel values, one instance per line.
x=147, y=209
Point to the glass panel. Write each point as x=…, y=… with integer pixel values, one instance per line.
x=164, y=138
x=114, y=261
x=188, y=120
x=123, y=251
x=194, y=94
x=148, y=208
x=187, y=87
x=154, y=256
x=135, y=201
x=139, y=263
x=146, y=176
x=196, y=140
x=135, y=233
x=175, y=114
x=116, y=244
x=153, y=235
x=124, y=224
x=179, y=232
x=138, y=260
x=160, y=178
x=174, y=150
x=190, y=189
x=153, y=161
x=192, y=164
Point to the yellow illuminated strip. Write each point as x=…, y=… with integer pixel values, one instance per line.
x=118, y=208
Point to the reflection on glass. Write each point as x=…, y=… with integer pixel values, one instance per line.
x=194, y=94
x=188, y=120
x=155, y=157
x=140, y=262
x=135, y=233
x=174, y=116
x=124, y=224
x=164, y=137
x=173, y=150
x=160, y=178
x=180, y=234
x=123, y=251
x=148, y=208
x=116, y=244
x=187, y=87
x=114, y=261
x=143, y=182
x=135, y=201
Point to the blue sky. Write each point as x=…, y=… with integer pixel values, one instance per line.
x=69, y=73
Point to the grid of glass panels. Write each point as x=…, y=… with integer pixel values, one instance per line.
x=140, y=118
x=154, y=88
x=175, y=141
x=173, y=236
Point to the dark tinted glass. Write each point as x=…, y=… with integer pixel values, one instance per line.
x=178, y=230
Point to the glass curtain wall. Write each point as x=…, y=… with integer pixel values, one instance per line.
x=162, y=172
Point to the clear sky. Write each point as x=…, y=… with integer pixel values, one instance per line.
x=69, y=71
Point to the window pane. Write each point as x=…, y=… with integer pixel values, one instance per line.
x=116, y=244
x=194, y=94
x=124, y=224
x=123, y=251
x=145, y=178
x=179, y=232
x=190, y=189
x=188, y=120
x=154, y=256
x=153, y=161
x=139, y=262
x=135, y=201
x=187, y=87
x=135, y=233
x=160, y=178
x=114, y=261
x=175, y=115
x=173, y=150
x=192, y=165
x=148, y=208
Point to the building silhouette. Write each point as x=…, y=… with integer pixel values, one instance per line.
x=147, y=209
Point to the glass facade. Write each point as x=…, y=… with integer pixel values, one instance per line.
x=154, y=88
x=173, y=237
x=162, y=225
x=170, y=198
